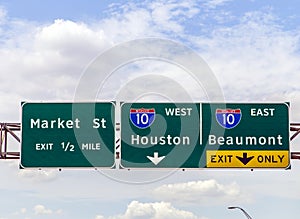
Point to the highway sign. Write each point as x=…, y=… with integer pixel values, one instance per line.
x=205, y=135
x=67, y=135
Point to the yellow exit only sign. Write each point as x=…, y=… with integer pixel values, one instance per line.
x=247, y=159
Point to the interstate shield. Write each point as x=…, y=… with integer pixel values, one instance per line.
x=228, y=118
x=142, y=118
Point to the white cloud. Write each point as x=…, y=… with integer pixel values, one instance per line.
x=255, y=59
x=168, y=16
x=48, y=64
x=35, y=54
x=40, y=210
x=3, y=14
x=58, y=52
x=22, y=211
x=156, y=210
x=251, y=58
x=38, y=175
x=149, y=19
x=256, y=50
x=70, y=40
x=129, y=25
x=154, y=77
x=216, y=3
x=199, y=192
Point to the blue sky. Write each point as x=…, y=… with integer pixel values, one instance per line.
x=49, y=10
x=252, y=47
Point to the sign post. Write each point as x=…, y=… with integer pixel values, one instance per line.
x=67, y=135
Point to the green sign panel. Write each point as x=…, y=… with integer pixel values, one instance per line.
x=204, y=135
x=67, y=135
x=156, y=135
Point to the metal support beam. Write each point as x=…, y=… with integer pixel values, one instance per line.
x=295, y=128
x=10, y=129
x=6, y=130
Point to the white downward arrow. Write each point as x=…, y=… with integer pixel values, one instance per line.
x=156, y=159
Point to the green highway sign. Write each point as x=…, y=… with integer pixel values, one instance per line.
x=205, y=135
x=155, y=135
x=67, y=135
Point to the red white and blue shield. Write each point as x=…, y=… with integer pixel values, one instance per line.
x=142, y=118
x=228, y=118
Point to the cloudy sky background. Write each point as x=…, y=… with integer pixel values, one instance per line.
x=251, y=46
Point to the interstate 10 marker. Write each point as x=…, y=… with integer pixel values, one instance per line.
x=67, y=135
x=205, y=135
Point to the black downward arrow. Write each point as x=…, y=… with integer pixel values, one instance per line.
x=245, y=159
